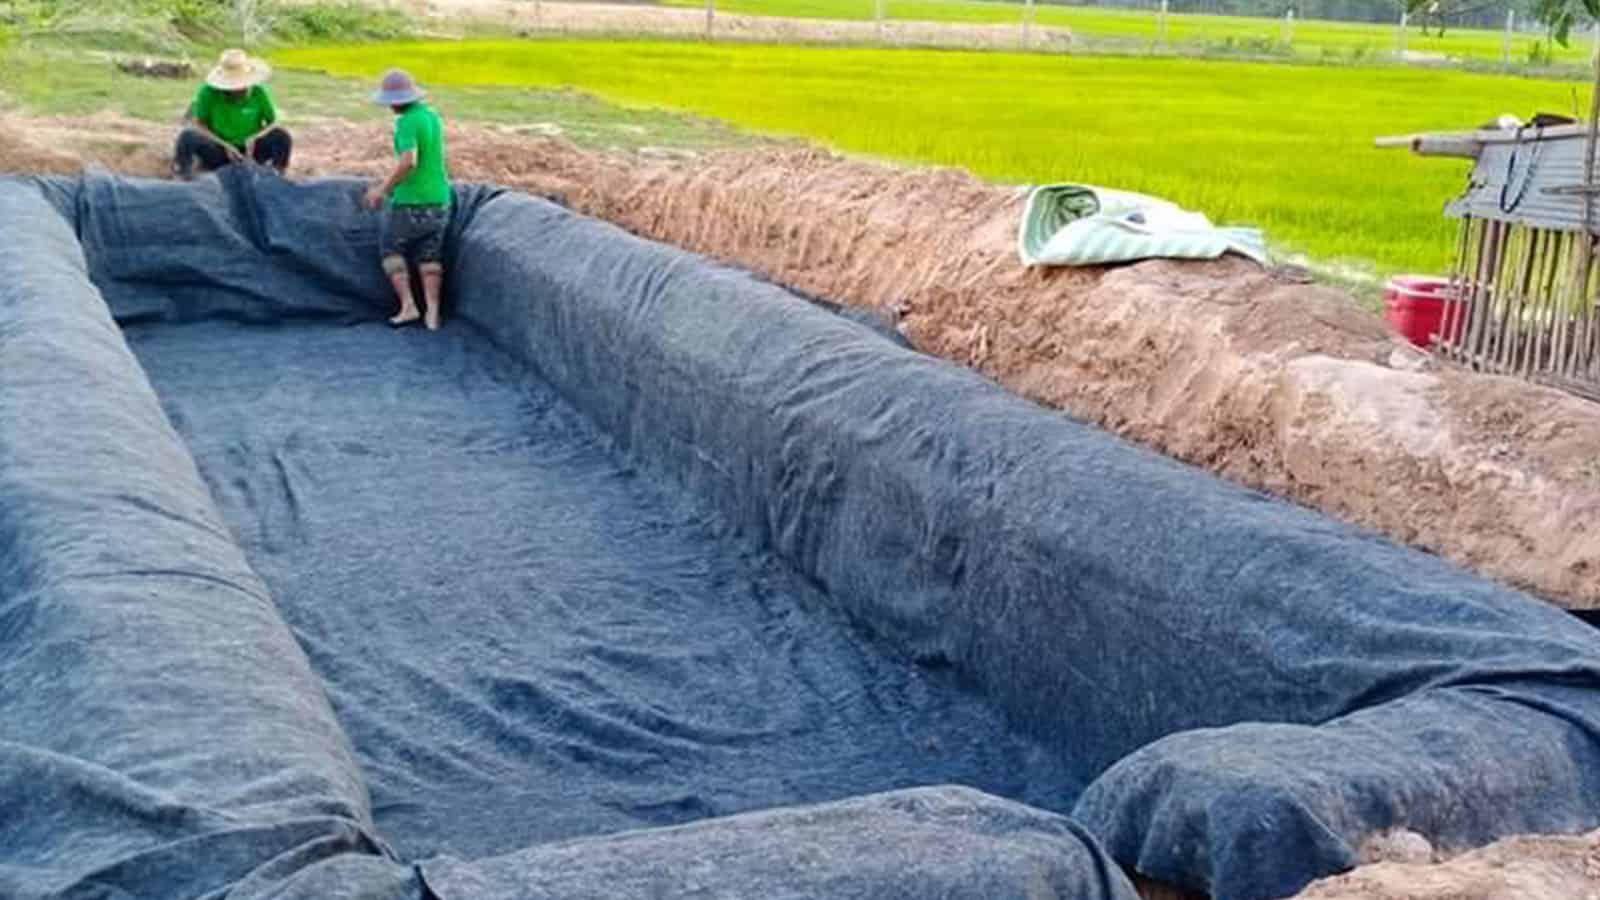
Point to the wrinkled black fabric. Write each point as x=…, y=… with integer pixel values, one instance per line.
x=1115, y=603
x=640, y=540
x=516, y=628
x=522, y=640
x=161, y=734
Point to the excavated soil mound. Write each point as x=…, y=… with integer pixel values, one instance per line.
x=1521, y=868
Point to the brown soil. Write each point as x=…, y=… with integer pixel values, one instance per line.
x=1519, y=868
x=1287, y=387
x=639, y=19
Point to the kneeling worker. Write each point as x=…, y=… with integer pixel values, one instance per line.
x=232, y=119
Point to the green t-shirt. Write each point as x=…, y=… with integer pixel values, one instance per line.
x=234, y=122
x=419, y=128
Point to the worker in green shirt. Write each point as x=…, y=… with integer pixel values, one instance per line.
x=232, y=119
x=418, y=196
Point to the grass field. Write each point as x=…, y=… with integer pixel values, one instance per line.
x=1315, y=39
x=1285, y=147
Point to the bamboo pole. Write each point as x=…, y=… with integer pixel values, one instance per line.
x=1530, y=332
x=1513, y=274
x=1542, y=333
x=1547, y=316
x=1483, y=291
x=1579, y=364
x=1572, y=316
x=1455, y=312
x=1571, y=300
x=1529, y=299
x=1560, y=309
x=1541, y=329
x=1507, y=281
x=1479, y=298
x=1586, y=324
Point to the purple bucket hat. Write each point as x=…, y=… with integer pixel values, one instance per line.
x=397, y=89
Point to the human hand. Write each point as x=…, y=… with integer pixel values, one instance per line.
x=375, y=197
x=250, y=147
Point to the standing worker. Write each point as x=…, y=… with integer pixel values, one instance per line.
x=232, y=119
x=419, y=197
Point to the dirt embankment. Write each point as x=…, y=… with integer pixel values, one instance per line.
x=1282, y=386
x=542, y=17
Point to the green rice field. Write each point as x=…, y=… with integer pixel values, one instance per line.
x=1312, y=39
x=1285, y=147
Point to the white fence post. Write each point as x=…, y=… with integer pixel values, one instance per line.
x=711, y=11
x=1400, y=34
x=1288, y=28
x=1505, y=46
x=1027, y=25
x=877, y=17
x=1161, y=24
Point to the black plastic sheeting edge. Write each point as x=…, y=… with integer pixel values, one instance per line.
x=1254, y=689
x=1138, y=613
x=160, y=732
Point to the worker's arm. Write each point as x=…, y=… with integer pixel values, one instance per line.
x=194, y=118
x=197, y=125
x=269, y=121
x=403, y=167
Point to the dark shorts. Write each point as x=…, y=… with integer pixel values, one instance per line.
x=415, y=233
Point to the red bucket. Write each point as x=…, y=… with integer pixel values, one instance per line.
x=1420, y=307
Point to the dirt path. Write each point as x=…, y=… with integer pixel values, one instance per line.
x=641, y=19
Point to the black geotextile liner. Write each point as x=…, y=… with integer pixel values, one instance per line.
x=638, y=541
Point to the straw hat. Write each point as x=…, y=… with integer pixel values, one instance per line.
x=397, y=89
x=235, y=71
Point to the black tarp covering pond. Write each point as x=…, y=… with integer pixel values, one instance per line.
x=639, y=541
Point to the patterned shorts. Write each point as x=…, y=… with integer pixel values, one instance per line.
x=415, y=233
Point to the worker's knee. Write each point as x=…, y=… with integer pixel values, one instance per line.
x=434, y=269
x=394, y=266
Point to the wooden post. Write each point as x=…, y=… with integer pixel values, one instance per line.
x=1505, y=46
x=1590, y=332
x=711, y=11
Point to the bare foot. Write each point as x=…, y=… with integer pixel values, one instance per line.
x=406, y=316
x=433, y=318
